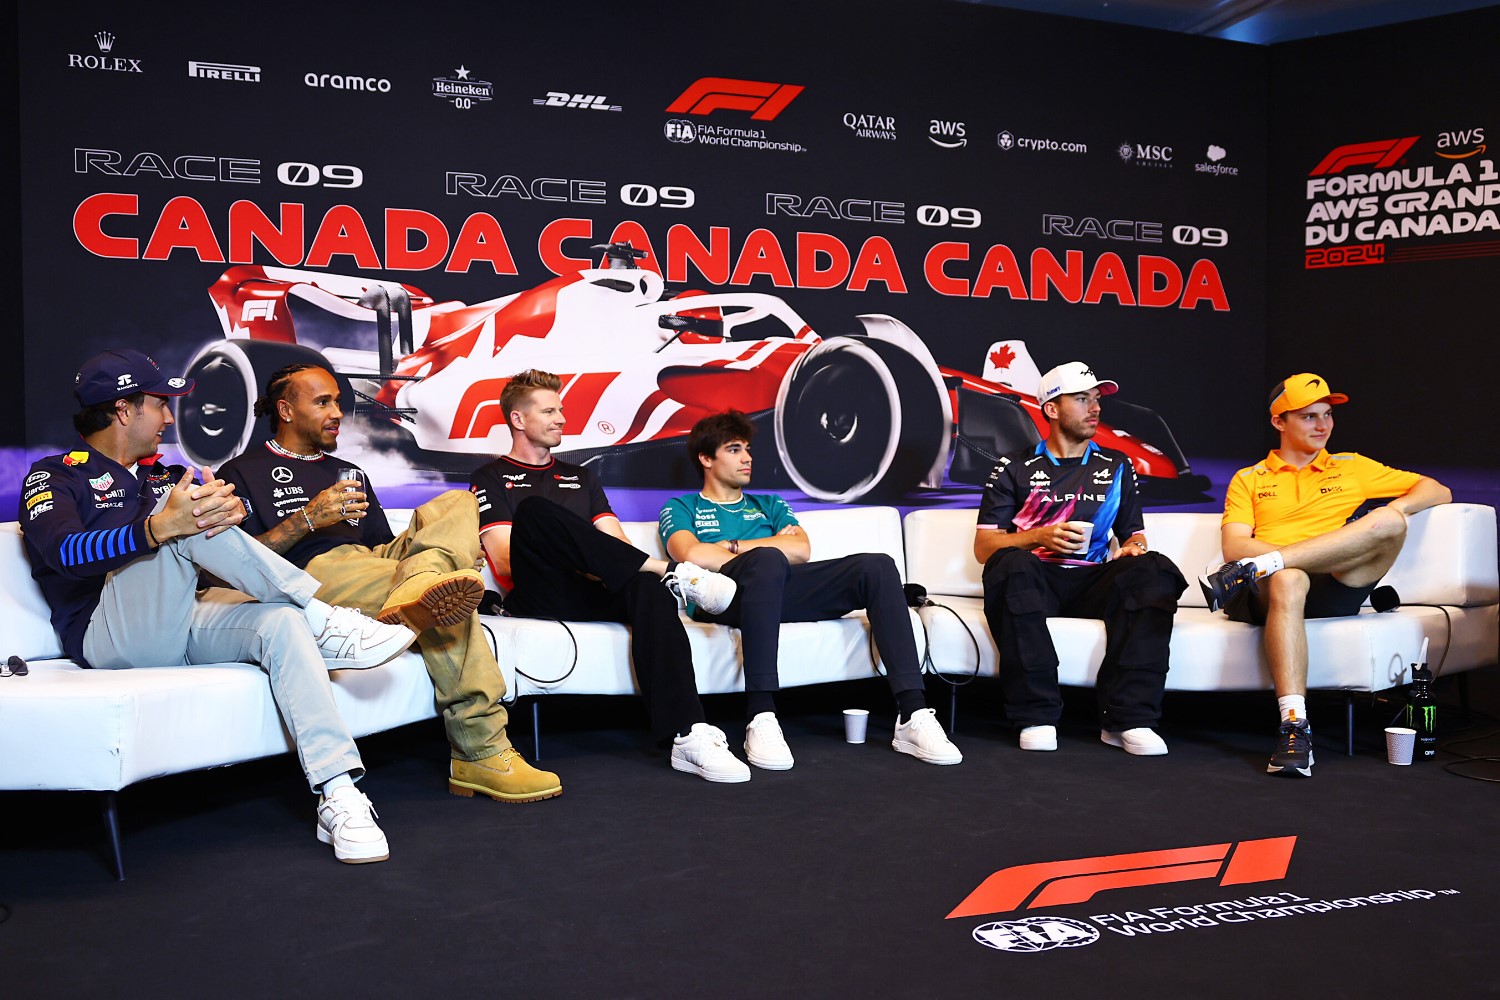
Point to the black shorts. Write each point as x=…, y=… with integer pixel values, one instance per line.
x=1326, y=598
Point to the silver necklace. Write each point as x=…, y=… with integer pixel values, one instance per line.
x=275, y=446
x=725, y=506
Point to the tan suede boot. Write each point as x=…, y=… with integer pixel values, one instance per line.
x=505, y=777
x=428, y=600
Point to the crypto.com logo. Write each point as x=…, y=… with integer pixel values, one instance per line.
x=1380, y=155
x=716, y=93
x=1056, y=883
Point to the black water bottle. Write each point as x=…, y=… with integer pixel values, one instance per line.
x=1421, y=708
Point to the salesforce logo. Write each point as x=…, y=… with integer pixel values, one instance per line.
x=333, y=81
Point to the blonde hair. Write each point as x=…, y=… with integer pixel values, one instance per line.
x=520, y=387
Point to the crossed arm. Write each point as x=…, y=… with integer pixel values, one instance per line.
x=684, y=546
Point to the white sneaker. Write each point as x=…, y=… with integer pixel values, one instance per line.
x=1039, y=738
x=1142, y=742
x=346, y=819
x=710, y=591
x=922, y=736
x=350, y=640
x=704, y=751
x=765, y=746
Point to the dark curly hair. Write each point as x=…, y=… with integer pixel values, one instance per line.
x=714, y=431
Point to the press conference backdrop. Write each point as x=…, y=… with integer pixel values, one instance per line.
x=900, y=212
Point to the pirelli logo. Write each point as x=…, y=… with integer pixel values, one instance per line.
x=1055, y=883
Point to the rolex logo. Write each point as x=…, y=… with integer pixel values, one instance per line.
x=105, y=39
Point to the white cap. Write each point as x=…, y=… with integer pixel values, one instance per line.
x=1074, y=376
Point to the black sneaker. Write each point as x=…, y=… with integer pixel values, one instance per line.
x=1224, y=582
x=1294, y=757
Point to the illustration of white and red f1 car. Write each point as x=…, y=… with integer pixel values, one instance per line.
x=860, y=415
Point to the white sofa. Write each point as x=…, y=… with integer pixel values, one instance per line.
x=64, y=728
x=1446, y=576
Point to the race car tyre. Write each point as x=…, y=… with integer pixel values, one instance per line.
x=858, y=417
x=216, y=421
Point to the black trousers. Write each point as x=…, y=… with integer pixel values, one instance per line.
x=1136, y=596
x=550, y=551
x=772, y=591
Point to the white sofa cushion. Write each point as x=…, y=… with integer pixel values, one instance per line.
x=1448, y=558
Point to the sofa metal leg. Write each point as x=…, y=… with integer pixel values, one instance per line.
x=952, y=710
x=109, y=808
x=536, y=729
x=1349, y=723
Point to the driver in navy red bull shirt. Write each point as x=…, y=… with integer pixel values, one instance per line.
x=1060, y=532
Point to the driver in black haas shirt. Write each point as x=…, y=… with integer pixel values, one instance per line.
x=1060, y=532
x=554, y=543
x=501, y=485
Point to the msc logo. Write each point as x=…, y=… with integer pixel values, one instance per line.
x=1054, y=883
x=949, y=135
x=1380, y=155
x=764, y=101
x=1145, y=154
x=1462, y=137
x=1039, y=934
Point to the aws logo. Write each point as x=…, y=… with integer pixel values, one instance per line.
x=1454, y=141
x=1055, y=883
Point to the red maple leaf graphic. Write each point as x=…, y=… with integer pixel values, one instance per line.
x=1002, y=357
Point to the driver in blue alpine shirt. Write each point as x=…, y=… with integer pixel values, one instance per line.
x=1047, y=535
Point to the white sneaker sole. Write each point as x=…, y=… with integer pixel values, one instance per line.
x=362, y=854
x=374, y=656
x=913, y=750
x=1038, y=742
x=1134, y=749
x=769, y=764
x=688, y=767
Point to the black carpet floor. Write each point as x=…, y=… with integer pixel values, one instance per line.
x=833, y=879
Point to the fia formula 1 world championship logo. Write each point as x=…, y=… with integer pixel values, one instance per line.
x=1057, y=883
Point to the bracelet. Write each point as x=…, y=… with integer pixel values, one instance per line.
x=734, y=546
x=310, y=527
x=1138, y=544
x=151, y=535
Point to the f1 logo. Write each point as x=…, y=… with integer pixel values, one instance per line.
x=1380, y=154
x=1056, y=883
x=714, y=93
x=258, y=309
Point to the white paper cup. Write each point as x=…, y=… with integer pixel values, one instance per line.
x=1087, y=527
x=1399, y=742
x=857, y=721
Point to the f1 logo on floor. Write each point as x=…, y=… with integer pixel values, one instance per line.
x=1054, y=883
